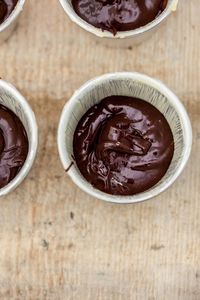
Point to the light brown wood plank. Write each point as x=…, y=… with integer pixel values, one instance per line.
x=149, y=251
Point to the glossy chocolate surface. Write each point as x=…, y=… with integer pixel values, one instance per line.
x=118, y=15
x=13, y=145
x=123, y=145
x=6, y=7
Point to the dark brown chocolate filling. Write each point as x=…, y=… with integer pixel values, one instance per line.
x=13, y=145
x=6, y=7
x=118, y=15
x=123, y=145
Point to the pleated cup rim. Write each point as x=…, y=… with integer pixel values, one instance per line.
x=66, y=117
x=171, y=6
x=17, y=99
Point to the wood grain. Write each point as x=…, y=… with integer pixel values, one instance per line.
x=55, y=241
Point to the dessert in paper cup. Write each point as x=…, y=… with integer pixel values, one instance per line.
x=120, y=23
x=18, y=138
x=120, y=160
x=9, y=13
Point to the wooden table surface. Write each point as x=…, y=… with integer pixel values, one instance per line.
x=58, y=243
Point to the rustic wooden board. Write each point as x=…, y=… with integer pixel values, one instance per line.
x=55, y=241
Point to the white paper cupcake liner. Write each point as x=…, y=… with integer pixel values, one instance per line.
x=126, y=84
x=12, y=99
x=7, y=27
x=124, y=38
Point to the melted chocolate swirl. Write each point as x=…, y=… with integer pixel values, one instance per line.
x=13, y=145
x=123, y=145
x=118, y=15
x=6, y=7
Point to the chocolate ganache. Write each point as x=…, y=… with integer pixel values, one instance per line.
x=118, y=15
x=123, y=145
x=13, y=145
x=6, y=7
